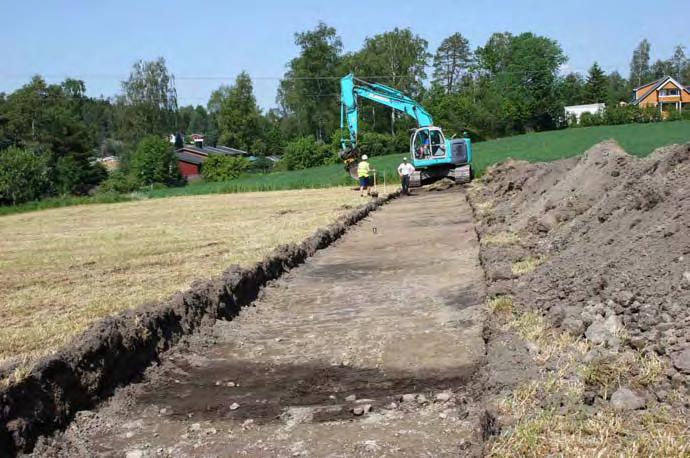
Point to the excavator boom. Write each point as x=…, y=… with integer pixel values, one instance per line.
x=351, y=88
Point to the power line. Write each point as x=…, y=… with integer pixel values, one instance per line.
x=119, y=77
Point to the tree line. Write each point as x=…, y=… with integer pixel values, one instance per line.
x=51, y=135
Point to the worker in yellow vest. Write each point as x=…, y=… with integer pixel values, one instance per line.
x=363, y=174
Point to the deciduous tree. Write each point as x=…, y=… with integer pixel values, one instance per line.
x=148, y=104
x=238, y=115
x=309, y=90
x=154, y=161
x=639, y=64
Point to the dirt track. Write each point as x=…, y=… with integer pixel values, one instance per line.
x=369, y=316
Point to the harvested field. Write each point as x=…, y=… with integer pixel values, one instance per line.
x=602, y=323
x=62, y=269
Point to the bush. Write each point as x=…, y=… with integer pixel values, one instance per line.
x=673, y=115
x=591, y=119
x=375, y=144
x=119, y=182
x=305, y=152
x=154, y=161
x=75, y=176
x=262, y=164
x=625, y=114
x=650, y=114
x=24, y=176
x=222, y=168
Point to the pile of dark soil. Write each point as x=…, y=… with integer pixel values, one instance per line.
x=610, y=236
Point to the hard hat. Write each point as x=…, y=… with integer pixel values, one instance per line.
x=364, y=157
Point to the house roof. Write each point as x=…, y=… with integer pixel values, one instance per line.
x=190, y=158
x=657, y=84
x=206, y=150
x=647, y=84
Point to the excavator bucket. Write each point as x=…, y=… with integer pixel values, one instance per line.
x=350, y=156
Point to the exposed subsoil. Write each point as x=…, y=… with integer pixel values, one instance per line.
x=610, y=233
x=117, y=350
x=366, y=349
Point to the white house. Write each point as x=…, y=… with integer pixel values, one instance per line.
x=577, y=110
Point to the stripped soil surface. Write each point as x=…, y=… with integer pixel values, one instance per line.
x=368, y=349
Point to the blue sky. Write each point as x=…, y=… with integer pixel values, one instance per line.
x=207, y=43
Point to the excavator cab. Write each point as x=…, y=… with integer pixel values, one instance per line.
x=428, y=143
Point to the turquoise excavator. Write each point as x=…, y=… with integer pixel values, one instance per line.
x=433, y=155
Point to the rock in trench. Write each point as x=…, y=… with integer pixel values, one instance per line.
x=627, y=399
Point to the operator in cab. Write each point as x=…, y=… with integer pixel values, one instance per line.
x=363, y=174
x=405, y=170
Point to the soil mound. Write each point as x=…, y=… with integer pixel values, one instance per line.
x=612, y=233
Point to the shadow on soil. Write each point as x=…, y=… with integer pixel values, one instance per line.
x=265, y=391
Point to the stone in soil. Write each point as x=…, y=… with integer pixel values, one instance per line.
x=361, y=409
x=626, y=399
x=681, y=360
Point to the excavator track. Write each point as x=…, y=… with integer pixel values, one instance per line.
x=461, y=174
x=415, y=179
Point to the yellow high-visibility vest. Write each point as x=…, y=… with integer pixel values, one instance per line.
x=363, y=169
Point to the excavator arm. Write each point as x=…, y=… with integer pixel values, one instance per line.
x=351, y=88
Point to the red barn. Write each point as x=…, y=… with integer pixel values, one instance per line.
x=190, y=158
x=189, y=164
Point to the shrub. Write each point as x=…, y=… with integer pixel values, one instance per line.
x=305, y=152
x=625, y=114
x=401, y=143
x=673, y=115
x=24, y=176
x=591, y=119
x=154, y=161
x=375, y=144
x=119, y=182
x=222, y=168
x=650, y=114
x=262, y=164
x=77, y=176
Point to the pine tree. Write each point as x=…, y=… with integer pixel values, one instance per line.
x=596, y=85
x=451, y=61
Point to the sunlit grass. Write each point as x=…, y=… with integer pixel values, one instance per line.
x=526, y=265
x=62, y=269
x=638, y=139
x=501, y=239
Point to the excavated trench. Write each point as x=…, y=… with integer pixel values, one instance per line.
x=364, y=347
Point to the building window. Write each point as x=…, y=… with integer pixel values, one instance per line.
x=669, y=92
